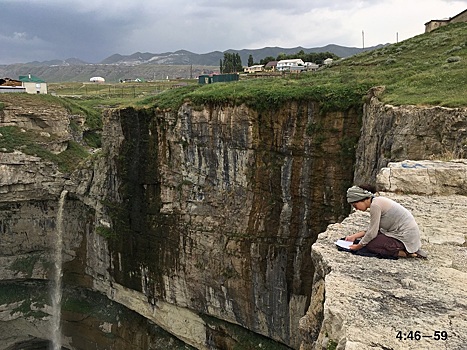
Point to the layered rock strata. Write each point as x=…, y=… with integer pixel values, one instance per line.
x=49, y=121
x=199, y=220
x=214, y=212
x=395, y=133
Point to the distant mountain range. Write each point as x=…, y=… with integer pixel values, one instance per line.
x=154, y=66
x=182, y=57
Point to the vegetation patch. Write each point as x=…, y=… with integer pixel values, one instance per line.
x=169, y=99
x=105, y=232
x=27, y=297
x=93, y=138
x=25, y=265
x=31, y=142
x=332, y=345
x=238, y=338
x=86, y=107
x=92, y=305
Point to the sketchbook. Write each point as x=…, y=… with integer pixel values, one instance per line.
x=343, y=244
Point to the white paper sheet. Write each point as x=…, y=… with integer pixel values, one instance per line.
x=343, y=244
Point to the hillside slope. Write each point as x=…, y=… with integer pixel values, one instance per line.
x=429, y=69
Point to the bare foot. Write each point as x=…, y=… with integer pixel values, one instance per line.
x=402, y=254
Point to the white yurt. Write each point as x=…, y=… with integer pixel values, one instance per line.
x=97, y=80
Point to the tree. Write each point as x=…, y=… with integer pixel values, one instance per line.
x=250, y=61
x=221, y=67
x=232, y=63
x=300, y=54
x=282, y=56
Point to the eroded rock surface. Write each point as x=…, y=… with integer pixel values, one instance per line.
x=47, y=119
x=425, y=177
x=201, y=221
x=364, y=302
x=394, y=133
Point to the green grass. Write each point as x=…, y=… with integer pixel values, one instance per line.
x=31, y=142
x=417, y=71
x=91, y=99
x=429, y=69
x=263, y=94
x=89, y=108
x=24, y=265
x=113, y=95
x=169, y=99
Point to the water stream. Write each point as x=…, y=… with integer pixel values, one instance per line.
x=57, y=285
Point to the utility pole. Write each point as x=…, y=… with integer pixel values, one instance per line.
x=363, y=39
x=397, y=37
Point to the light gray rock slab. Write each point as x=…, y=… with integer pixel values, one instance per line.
x=429, y=177
x=366, y=301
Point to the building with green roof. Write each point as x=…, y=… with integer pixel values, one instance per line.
x=33, y=84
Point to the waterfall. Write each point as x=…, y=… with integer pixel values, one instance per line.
x=57, y=286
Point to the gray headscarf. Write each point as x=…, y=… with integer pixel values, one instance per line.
x=355, y=194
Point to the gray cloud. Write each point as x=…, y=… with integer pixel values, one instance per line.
x=93, y=30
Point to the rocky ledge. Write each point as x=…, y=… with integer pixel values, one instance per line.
x=368, y=303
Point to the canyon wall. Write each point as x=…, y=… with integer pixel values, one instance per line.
x=200, y=220
x=213, y=211
x=29, y=191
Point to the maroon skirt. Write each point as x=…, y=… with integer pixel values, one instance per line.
x=385, y=246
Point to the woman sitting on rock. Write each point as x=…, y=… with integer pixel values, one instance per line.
x=392, y=232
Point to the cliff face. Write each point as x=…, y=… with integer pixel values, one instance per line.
x=214, y=211
x=29, y=192
x=412, y=303
x=200, y=222
x=391, y=133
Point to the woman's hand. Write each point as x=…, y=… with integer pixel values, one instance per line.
x=353, y=237
x=355, y=246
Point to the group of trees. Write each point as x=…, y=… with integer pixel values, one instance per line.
x=232, y=63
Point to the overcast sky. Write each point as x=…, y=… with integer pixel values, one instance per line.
x=92, y=30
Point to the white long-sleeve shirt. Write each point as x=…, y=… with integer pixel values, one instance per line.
x=393, y=220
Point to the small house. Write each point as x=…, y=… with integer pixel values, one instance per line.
x=33, y=84
x=254, y=69
x=311, y=66
x=292, y=64
x=271, y=66
x=436, y=23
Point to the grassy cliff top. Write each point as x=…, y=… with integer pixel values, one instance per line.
x=428, y=69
